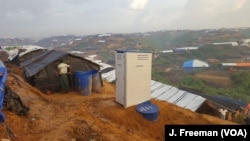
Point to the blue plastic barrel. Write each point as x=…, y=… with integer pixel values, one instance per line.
x=75, y=79
x=83, y=82
x=96, y=83
x=148, y=110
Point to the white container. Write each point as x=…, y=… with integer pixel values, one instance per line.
x=133, y=77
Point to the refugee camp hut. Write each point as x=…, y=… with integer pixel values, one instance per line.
x=3, y=56
x=29, y=52
x=19, y=54
x=213, y=103
x=194, y=65
x=41, y=71
x=12, y=52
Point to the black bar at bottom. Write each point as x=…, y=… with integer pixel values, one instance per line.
x=211, y=132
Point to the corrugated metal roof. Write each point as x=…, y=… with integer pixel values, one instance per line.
x=164, y=92
x=109, y=76
x=176, y=96
x=196, y=103
x=186, y=99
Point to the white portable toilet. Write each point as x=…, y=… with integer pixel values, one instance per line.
x=133, y=77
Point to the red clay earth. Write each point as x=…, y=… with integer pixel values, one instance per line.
x=96, y=117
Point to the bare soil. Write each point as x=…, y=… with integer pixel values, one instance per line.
x=215, y=78
x=96, y=117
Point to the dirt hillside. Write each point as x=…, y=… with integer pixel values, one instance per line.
x=97, y=117
x=215, y=78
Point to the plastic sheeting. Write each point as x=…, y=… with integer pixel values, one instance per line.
x=41, y=66
x=13, y=103
x=195, y=63
x=33, y=68
x=107, y=72
x=27, y=62
x=3, y=79
x=28, y=49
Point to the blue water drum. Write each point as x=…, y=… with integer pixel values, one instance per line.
x=83, y=82
x=96, y=83
x=148, y=110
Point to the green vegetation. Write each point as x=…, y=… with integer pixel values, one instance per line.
x=107, y=55
x=245, y=32
x=240, y=90
x=241, y=79
x=11, y=48
x=82, y=45
x=186, y=39
x=157, y=41
x=157, y=75
x=167, y=68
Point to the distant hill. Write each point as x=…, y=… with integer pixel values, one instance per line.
x=155, y=40
x=15, y=41
x=167, y=67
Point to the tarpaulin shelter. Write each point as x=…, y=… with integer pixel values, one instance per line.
x=3, y=56
x=13, y=103
x=40, y=70
x=3, y=79
x=27, y=52
x=194, y=65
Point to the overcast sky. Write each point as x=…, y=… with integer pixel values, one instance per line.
x=45, y=18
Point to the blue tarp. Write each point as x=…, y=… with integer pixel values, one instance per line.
x=32, y=68
x=3, y=79
x=188, y=64
x=193, y=65
x=30, y=61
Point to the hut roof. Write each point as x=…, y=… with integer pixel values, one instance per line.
x=41, y=62
x=195, y=63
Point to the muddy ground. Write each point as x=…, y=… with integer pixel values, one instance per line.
x=96, y=117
